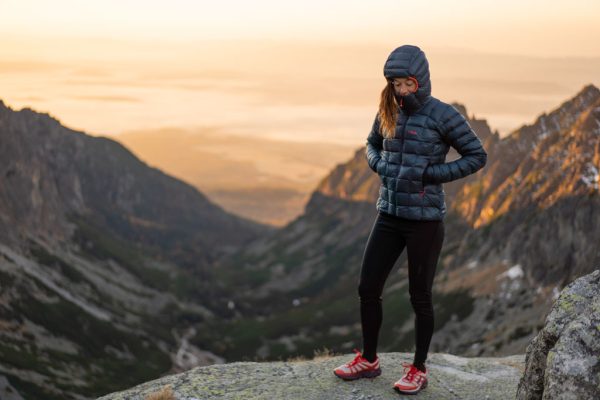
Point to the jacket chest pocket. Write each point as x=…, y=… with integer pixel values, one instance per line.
x=430, y=135
x=419, y=141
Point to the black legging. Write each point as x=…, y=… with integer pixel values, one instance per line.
x=389, y=236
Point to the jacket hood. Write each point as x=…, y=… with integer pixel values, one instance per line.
x=409, y=60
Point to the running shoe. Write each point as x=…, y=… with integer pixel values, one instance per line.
x=412, y=381
x=360, y=367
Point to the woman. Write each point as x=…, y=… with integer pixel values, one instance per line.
x=407, y=147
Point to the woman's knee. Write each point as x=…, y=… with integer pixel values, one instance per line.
x=421, y=301
x=368, y=292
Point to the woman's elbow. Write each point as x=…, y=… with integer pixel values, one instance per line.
x=482, y=158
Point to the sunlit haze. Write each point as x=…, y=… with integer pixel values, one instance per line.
x=293, y=70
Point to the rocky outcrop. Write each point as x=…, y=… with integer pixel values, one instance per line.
x=450, y=377
x=563, y=360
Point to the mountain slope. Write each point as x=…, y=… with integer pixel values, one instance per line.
x=51, y=171
x=537, y=199
x=104, y=262
x=540, y=163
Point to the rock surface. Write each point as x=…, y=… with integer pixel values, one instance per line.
x=450, y=377
x=563, y=360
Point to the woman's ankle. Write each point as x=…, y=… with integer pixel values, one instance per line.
x=420, y=366
x=370, y=357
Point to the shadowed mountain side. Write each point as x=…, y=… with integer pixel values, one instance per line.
x=53, y=173
x=104, y=263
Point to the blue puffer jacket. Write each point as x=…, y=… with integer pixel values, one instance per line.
x=412, y=164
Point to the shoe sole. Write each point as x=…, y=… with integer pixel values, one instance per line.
x=411, y=392
x=363, y=374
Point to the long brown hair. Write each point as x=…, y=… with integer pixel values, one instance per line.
x=388, y=110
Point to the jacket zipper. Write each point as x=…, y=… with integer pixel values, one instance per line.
x=403, y=136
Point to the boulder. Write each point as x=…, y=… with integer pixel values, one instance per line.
x=563, y=360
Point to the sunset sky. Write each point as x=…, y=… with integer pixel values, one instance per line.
x=308, y=70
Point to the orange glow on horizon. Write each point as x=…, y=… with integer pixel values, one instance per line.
x=302, y=72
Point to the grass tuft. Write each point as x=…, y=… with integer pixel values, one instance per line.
x=166, y=393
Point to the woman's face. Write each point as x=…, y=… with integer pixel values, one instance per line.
x=404, y=86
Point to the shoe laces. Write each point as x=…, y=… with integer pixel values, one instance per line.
x=357, y=359
x=412, y=371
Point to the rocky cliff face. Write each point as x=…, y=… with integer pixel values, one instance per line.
x=516, y=233
x=104, y=262
x=538, y=164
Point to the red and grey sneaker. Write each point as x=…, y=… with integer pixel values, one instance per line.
x=360, y=367
x=412, y=381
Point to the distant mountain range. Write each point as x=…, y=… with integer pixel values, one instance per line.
x=113, y=273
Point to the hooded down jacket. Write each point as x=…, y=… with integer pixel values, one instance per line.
x=412, y=164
